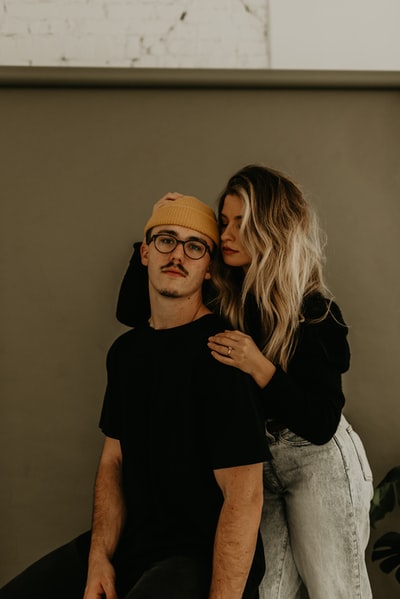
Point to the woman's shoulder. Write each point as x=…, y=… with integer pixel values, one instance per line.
x=319, y=308
x=323, y=326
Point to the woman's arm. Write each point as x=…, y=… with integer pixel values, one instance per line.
x=308, y=397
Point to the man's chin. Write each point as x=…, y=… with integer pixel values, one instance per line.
x=169, y=293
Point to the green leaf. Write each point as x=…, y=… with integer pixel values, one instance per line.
x=387, y=549
x=385, y=494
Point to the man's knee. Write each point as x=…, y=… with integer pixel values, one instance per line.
x=181, y=577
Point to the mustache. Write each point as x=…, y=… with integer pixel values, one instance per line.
x=174, y=265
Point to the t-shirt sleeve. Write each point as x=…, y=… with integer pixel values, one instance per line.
x=232, y=420
x=110, y=417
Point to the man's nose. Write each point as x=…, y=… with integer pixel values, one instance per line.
x=178, y=252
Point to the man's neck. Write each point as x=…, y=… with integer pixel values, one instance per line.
x=167, y=312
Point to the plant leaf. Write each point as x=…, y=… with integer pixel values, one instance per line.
x=387, y=549
x=385, y=493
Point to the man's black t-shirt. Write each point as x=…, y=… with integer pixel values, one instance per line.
x=179, y=414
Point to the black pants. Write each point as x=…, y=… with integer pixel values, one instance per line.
x=62, y=573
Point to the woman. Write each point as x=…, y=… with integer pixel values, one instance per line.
x=290, y=336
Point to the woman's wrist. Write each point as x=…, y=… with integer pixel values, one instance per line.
x=264, y=372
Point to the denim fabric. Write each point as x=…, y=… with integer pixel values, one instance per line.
x=315, y=524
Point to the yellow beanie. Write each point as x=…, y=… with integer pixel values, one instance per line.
x=186, y=211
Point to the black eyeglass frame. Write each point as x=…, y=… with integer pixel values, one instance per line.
x=184, y=243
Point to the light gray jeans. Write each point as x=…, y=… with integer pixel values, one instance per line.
x=315, y=523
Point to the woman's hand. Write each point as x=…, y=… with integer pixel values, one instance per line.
x=237, y=349
x=169, y=197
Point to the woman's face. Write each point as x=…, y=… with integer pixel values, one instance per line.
x=232, y=249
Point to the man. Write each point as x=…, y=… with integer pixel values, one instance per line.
x=178, y=492
x=179, y=486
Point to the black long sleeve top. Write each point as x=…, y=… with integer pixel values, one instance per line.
x=308, y=396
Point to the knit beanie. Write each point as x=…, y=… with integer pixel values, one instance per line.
x=186, y=211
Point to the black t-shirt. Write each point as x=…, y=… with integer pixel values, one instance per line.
x=179, y=414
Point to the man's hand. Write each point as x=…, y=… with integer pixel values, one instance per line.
x=101, y=580
x=108, y=521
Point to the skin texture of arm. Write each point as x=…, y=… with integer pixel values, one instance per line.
x=108, y=521
x=236, y=534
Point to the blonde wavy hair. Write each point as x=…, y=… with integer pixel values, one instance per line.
x=281, y=234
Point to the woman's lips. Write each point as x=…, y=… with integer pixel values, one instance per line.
x=228, y=251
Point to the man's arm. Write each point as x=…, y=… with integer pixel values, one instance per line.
x=236, y=534
x=108, y=521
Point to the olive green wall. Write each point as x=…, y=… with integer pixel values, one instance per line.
x=81, y=165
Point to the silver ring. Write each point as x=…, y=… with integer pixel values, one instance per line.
x=229, y=350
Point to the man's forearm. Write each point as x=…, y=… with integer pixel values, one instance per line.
x=108, y=510
x=107, y=524
x=234, y=547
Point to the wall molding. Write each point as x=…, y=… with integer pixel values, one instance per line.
x=89, y=77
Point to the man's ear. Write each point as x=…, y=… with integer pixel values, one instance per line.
x=144, y=252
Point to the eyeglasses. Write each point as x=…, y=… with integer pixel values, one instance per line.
x=194, y=249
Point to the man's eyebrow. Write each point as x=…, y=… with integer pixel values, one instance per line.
x=175, y=234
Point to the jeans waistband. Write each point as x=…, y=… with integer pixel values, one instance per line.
x=274, y=426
